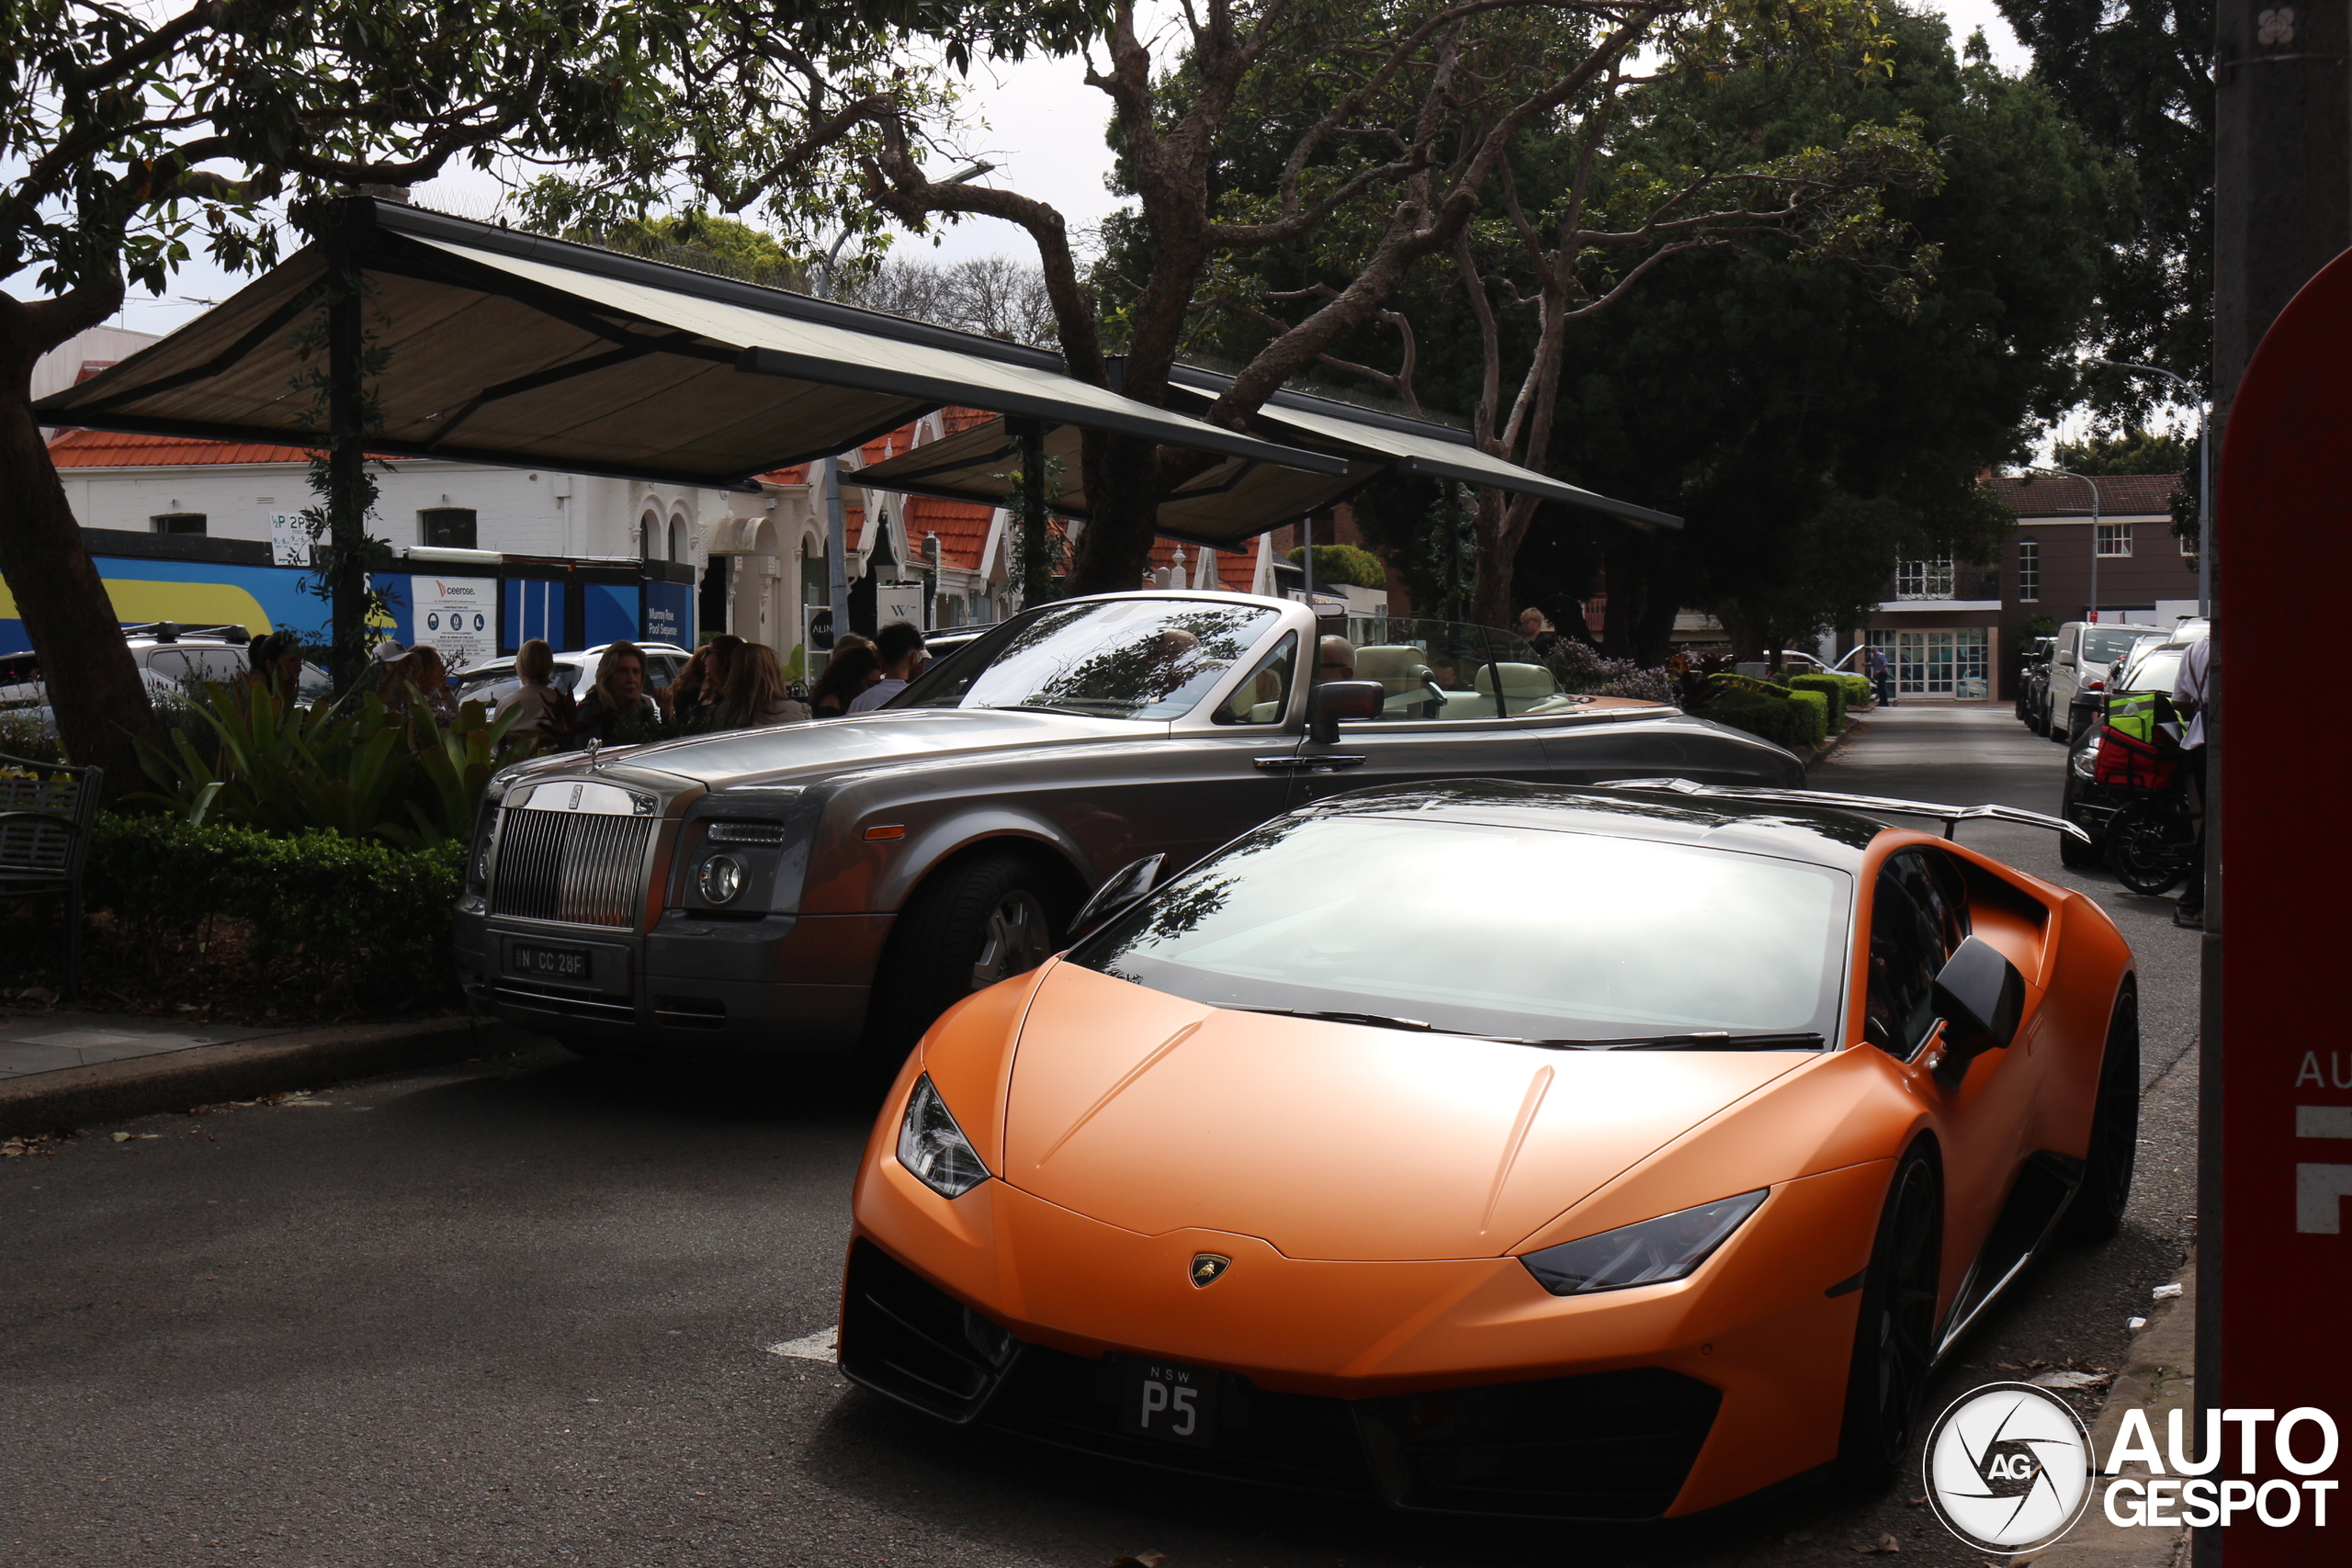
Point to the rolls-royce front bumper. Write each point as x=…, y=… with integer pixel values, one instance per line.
x=776, y=985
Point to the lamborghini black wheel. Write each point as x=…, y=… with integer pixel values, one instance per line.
x=2097, y=1212
x=1895, y=1342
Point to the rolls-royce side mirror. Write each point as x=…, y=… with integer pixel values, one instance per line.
x=1981, y=996
x=1123, y=887
x=1332, y=701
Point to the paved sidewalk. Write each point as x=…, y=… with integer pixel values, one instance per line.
x=40, y=1040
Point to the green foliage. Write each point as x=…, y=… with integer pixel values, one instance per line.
x=317, y=916
x=2131, y=451
x=1831, y=689
x=361, y=771
x=1818, y=702
x=1795, y=725
x=20, y=736
x=1423, y=528
x=706, y=242
x=2137, y=76
x=1858, y=691
x=1344, y=563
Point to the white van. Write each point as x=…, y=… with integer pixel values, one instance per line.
x=2079, y=661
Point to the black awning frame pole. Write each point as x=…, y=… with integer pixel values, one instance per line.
x=1037, y=566
x=346, y=453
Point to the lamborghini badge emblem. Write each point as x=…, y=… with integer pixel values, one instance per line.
x=1208, y=1268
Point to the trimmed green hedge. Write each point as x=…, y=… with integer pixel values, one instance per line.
x=351, y=922
x=1795, y=725
x=1818, y=702
x=1858, y=691
x=1831, y=689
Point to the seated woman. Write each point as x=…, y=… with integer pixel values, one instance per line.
x=616, y=711
x=755, y=695
x=698, y=688
x=545, y=710
x=849, y=671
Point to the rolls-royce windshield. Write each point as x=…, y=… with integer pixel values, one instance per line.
x=1143, y=659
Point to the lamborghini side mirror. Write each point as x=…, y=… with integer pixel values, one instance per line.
x=1124, y=885
x=1981, y=996
x=1332, y=701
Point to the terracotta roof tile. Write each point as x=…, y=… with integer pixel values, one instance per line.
x=962, y=527
x=112, y=449
x=2062, y=495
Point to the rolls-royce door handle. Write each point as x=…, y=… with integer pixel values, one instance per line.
x=1295, y=764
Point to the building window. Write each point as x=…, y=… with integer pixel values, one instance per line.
x=646, y=527
x=2115, y=538
x=677, y=539
x=1923, y=579
x=445, y=527
x=2029, y=570
x=176, y=523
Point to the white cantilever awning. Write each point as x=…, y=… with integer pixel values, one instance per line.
x=1237, y=498
x=514, y=349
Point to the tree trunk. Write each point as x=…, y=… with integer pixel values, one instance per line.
x=94, y=684
x=1122, y=513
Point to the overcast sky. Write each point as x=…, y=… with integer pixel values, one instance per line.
x=1039, y=123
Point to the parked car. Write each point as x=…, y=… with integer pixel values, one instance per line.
x=756, y=889
x=172, y=661
x=2082, y=799
x=2033, y=684
x=1341, y=1163
x=2080, y=655
x=492, y=683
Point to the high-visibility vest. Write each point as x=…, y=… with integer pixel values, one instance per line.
x=2137, y=714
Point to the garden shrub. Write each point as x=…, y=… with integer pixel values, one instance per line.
x=1344, y=563
x=1832, y=689
x=1860, y=693
x=318, y=918
x=1818, y=702
x=1777, y=719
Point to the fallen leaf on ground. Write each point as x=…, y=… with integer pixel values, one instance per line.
x=1885, y=1544
x=2068, y=1379
x=1915, y=1502
x=122, y=1137
x=1139, y=1560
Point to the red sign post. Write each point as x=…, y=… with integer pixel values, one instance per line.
x=2277, y=1337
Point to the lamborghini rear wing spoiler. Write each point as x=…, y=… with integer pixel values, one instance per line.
x=1950, y=816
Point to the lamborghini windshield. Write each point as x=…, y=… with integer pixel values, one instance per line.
x=1145, y=658
x=1517, y=932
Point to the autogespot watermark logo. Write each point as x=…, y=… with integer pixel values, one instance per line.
x=2010, y=1468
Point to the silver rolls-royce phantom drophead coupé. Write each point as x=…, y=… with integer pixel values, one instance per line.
x=822, y=886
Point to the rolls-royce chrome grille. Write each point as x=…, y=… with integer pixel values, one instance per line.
x=565, y=859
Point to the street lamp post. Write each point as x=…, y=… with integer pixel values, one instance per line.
x=2094, y=522
x=2204, y=477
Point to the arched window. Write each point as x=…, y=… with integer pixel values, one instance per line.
x=677, y=538
x=646, y=527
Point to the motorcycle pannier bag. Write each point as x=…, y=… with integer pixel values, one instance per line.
x=2125, y=761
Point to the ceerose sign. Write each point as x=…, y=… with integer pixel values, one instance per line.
x=2276, y=1155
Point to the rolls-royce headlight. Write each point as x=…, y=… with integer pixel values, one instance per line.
x=721, y=878
x=934, y=1148
x=1648, y=1253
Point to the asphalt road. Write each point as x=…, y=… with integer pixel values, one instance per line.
x=518, y=1312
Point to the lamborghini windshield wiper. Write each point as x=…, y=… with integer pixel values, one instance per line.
x=1376, y=1019
x=1697, y=1039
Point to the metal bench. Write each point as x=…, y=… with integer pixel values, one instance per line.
x=47, y=811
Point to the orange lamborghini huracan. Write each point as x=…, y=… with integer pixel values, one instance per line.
x=1599, y=1153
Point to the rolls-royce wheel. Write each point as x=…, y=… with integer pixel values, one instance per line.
x=2097, y=1212
x=1895, y=1342
x=973, y=924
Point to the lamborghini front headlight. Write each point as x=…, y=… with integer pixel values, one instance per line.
x=934, y=1148
x=1648, y=1253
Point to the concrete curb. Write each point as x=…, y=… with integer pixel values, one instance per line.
x=2161, y=1377
x=308, y=1058
x=1814, y=756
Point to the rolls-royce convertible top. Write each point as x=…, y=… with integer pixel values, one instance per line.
x=818, y=887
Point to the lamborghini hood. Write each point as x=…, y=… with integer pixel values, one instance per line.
x=1331, y=1141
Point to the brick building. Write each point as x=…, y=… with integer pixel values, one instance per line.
x=1955, y=629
